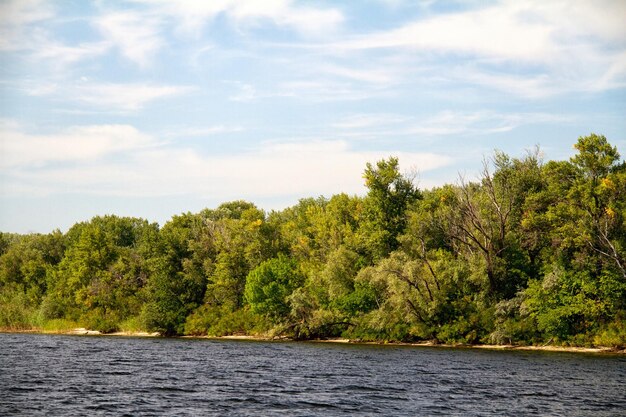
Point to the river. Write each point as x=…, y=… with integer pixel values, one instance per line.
x=74, y=375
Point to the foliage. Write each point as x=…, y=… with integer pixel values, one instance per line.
x=270, y=284
x=222, y=321
x=390, y=194
x=529, y=253
x=15, y=309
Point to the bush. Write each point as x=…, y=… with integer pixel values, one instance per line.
x=52, y=307
x=269, y=285
x=362, y=299
x=15, y=310
x=160, y=317
x=96, y=320
x=381, y=325
x=59, y=325
x=614, y=335
x=132, y=324
x=221, y=321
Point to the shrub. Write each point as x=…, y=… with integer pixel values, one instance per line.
x=614, y=335
x=15, y=310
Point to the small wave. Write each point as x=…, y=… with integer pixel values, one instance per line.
x=358, y=388
x=174, y=389
x=22, y=389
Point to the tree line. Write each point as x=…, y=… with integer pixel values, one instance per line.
x=531, y=252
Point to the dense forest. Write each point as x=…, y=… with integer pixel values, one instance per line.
x=531, y=252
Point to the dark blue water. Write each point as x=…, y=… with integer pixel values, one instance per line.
x=72, y=375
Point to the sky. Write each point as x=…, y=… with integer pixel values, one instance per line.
x=152, y=108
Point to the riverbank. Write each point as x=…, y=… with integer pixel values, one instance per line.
x=547, y=348
x=86, y=332
x=81, y=331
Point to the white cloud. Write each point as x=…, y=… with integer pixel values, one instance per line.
x=107, y=96
x=204, y=131
x=445, y=123
x=327, y=90
x=529, y=30
x=79, y=144
x=245, y=93
x=23, y=29
x=119, y=160
x=614, y=76
x=376, y=76
x=194, y=15
x=125, y=96
x=15, y=15
x=361, y=121
x=532, y=49
x=38, y=89
x=136, y=35
x=495, y=31
x=599, y=19
x=527, y=86
x=59, y=55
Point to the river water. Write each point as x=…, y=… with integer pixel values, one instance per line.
x=74, y=375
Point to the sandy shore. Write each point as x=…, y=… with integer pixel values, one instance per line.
x=548, y=348
x=81, y=331
x=86, y=332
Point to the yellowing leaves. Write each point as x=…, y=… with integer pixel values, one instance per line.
x=607, y=183
x=610, y=212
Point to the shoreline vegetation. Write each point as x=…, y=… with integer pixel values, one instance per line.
x=81, y=331
x=530, y=253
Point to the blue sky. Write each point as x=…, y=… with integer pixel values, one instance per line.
x=151, y=108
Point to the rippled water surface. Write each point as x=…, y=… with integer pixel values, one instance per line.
x=73, y=375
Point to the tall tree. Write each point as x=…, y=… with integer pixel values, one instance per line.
x=390, y=195
x=270, y=284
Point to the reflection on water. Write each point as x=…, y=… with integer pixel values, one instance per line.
x=70, y=375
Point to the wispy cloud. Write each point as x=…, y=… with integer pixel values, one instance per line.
x=360, y=121
x=529, y=31
x=203, y=131
x=542, y=41
x=245, y=92
x=120, y=160
x=491, y=31
x=24, y=29
x=60, y=56
x=79, y=144
x=376, y=76
x=15, y=16
x=329, y=90
x=107, y=96
x=443, y=123
x=137, y=36
x=125, y=96
x=307, y=20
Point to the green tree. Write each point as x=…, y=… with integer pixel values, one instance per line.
x=595, y=156
x=270, y=284
x=582, y=290
x=103, y=271
x=241, y=239
x=177, y=283
x=389, y=195
x=28, y=260
x=485, y=217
